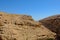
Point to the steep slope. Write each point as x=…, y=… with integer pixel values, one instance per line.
x=52, y=23
x=22, y=27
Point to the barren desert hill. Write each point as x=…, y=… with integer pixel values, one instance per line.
x=22, y=27
x=52, y=23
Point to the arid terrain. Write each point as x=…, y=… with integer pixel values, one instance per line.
x=53, y=24
x=23, y=27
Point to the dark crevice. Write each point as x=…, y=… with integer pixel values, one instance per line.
x=57, y=37
x=0, y=14
x=1, y=38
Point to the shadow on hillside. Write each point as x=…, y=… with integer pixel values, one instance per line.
x=54, y=29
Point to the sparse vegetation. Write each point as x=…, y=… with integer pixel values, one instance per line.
x=45, y=39
x=50, y=39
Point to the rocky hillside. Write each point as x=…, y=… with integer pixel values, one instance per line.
x=52, y=23
x=22, y=27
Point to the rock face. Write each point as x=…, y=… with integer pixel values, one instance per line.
x=52, y=23
x=22, y=27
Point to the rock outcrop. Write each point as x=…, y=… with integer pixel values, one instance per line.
x=52, y=23
x=22, y=27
